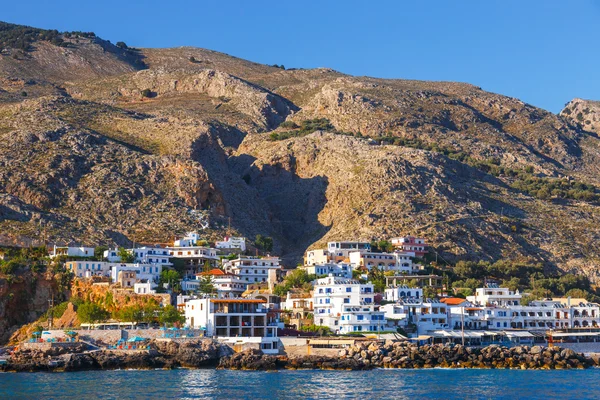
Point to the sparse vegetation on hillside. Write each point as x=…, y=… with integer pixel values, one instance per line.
x=21, y=37
x=530, y=278
x=306, y=127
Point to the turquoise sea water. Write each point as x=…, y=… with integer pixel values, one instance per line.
x=377, y=384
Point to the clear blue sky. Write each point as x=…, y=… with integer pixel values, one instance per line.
x=543, y=52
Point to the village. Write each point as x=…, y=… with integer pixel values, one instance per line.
x=328, y=302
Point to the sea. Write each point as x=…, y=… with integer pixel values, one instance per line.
x=376, y=384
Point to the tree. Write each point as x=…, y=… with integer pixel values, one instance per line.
x=170, y=315
x=206, y=285
x=125, y=256
x=429, y=292
x=99, y=252
x=121, y=45
x=146, y=93
x=91, y=313
x=170, y=277
x=385, y=246
x=134, y=313
x=264, y=243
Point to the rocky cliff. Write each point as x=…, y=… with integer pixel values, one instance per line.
x=152, y=142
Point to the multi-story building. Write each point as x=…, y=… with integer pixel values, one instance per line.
x=396, y=293
x=195, y=258
x=142, y=255
x=426, y=314
x=318, y=256
x=148, y=272
x=346, y=305
x=411, y=244
x=254, y=269
x=398, y=261
x=340, y=251
x=87, y=269
x=492, y=295
x=226, y=285
x=69, y=251
x=191, y=239
x=230, y=242
x=342, y=270
x=230, y=317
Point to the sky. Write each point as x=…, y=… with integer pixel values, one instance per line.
x=543, y=52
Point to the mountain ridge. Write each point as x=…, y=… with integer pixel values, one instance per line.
x=184, y=140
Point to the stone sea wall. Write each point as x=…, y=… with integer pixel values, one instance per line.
x=208, y=353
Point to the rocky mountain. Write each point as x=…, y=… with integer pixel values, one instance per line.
x=107, y=144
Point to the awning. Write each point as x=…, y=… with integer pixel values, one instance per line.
x=520, y=334
x=331, y=341
x=568, y=334
x=422, y=337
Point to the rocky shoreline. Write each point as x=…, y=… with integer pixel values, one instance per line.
x=206, y=353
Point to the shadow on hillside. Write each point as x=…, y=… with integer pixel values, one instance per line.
x=294, y=203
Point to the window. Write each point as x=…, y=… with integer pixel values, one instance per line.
x=346, y=301
x=360, y=317
x=348, y=289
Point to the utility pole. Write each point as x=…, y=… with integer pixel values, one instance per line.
x=462, y=324
x=51, y=312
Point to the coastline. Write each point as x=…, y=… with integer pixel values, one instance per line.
x=210, y=354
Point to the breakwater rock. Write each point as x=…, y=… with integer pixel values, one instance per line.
x=208, y=353
x=370, y=355
x=198, y=353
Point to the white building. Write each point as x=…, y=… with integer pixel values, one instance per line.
x=346, y=305
x=72, y=251
x=318, y=256
x=254, y=269
x=426, y=314
x=87, y=269
x=230, y=317
x=195, y=258
x=232, y=242
x=148, y=272
x=146, y=287
x=226, y=285
x=492, y=295
x=189, y=240
x=399, y=262
x=339, y=251
x=396, y=293
x=341, y=270
x=143, y=255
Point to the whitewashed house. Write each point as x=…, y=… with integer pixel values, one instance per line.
x=72, y=251
x=396, y=293
x=346, y=305
x=341, y=270
x=254, y=269
x=232, y=242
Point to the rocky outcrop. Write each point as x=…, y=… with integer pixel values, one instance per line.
x=583, y=113
x=267, y=109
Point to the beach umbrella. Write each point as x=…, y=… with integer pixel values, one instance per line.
x=186, y=328
x=136, y=339
x=71, y=333
x=163, y=329
x=46, y=333
x=37, y=333
x=173, y=329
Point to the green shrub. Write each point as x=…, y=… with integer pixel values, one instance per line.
x=146, y=93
